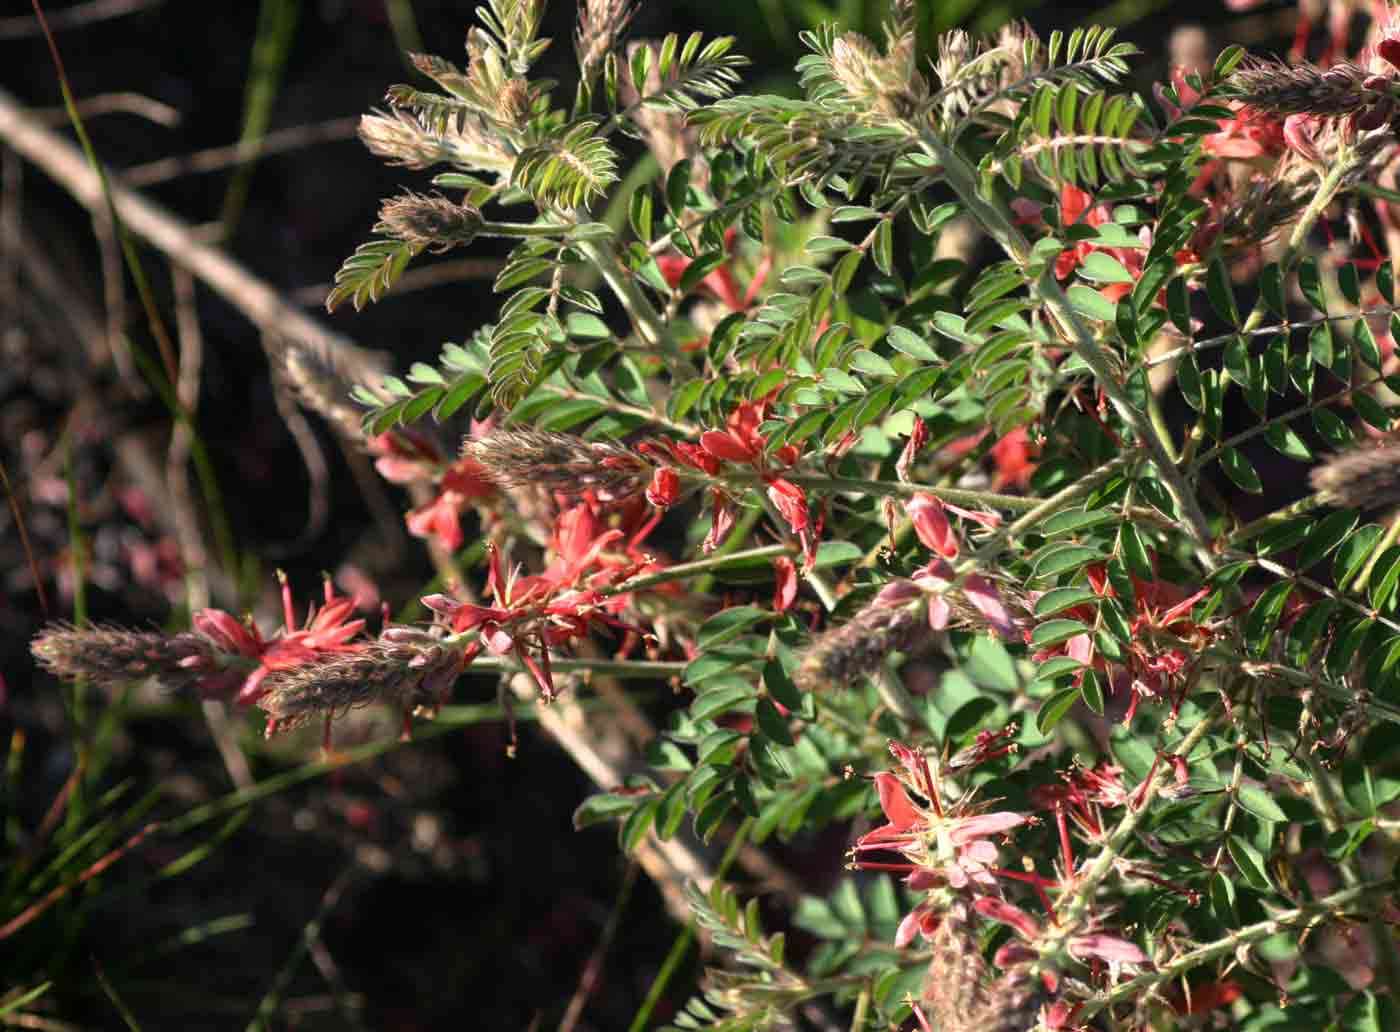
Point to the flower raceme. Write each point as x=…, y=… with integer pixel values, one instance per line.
x=222, y=657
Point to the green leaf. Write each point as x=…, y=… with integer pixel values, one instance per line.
x=1349, y=283
x=1286, y=442
x=1370, y=410
x=1320, y=345
x=1053, y=709
x=882, y=252
x=1064, y=558
x=909, y=343
x=1053, y=632
x=710, y=704
x=1135, y=552
x=1264, y=616
x=728, y=624
x=1331, y=428
x=1091, y=691
x=772, y=723
x=602, y=807
x=1059, y=599
x=635, y=827
x=1179, y=305
x=1222, y=297
x=1384, y=576
x=1102, y=267
x=1188, y=378
x=1310, y=283
x=368, y=274
x=1354, y=551
x=1240, y=470
x=1089, y=302
x=1271, y=285
x=1366, y=347
x=1260, y=803
x=1228, y=60
x=1249, y=862
x=1326, y=534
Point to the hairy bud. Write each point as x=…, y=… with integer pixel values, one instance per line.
x=426, y=221
x=322, y=378
x=404, y=666
x=1304, y=89
x=1362, y=478
x=560, y=462
x=112, y=656
x=861, y=645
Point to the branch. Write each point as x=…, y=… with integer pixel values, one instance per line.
x=1308, y=914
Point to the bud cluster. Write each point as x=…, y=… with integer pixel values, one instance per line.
x=430, y=222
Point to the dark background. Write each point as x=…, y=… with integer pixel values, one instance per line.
x=465, y=899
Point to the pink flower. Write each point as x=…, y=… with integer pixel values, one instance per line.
x=941, y=844
x=249, y=657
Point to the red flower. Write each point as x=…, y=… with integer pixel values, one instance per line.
x=932, y=525
x=720, y=282
x=405, y=456
x=464, y=482
x=721, y=523
x=1013, y=456
x=785, y=591
x=665, y=487
x=532, y=614
x=918, y=437
x=790, y=501
x=329, y=630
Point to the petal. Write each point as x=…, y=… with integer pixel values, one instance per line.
x=983, y=825
x=1110, y=948
x=665, y=487
x=985, y=599
x=931, y=524
x=908, y=929
x=1008, y=914
x=785, y=591
x=725, y=446
x=1390, y=50
x=898, y=807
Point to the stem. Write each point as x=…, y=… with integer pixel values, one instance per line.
x=894, y=488
x=1329, y=804
x=523, y=229
x=862, y=1013
x=1057, y=502
x=1327, y=190
x=700, y=566
x=608, y=667
x=644, y=317
x=1233, y=805
x=1328, y=906
x=962, y=178
x=1073, y=907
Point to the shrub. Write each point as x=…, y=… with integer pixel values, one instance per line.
x=999, y=358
